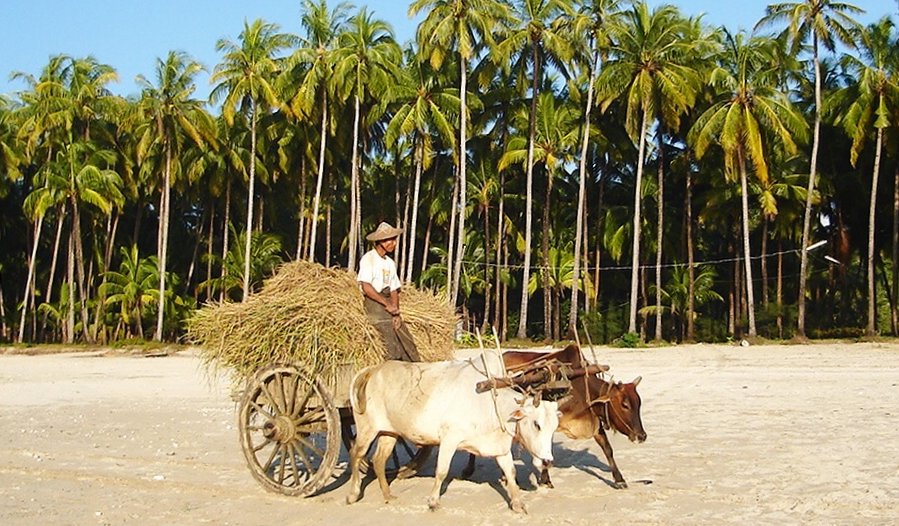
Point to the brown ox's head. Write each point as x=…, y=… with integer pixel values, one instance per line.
x=623, y=410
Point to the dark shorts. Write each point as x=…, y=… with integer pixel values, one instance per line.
x=397, y=338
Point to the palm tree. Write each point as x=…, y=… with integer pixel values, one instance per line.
x=131, y=288
x=650, y=58
x=593, y=18
x=677, y=294
x=245, y=82
x=555, y=138
x=265, y=254
x=366, y=62
x=171, y=115
x=873, y=97
x=424, y=113
x=460, y=26
x=36, y=205
x=749, y=106
x=77, y=175
x=826, y=22
x=315, y=54
x=87, y=98
x=541, y=36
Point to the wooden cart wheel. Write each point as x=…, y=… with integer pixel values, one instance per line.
x=289, y=430
x=407, y=458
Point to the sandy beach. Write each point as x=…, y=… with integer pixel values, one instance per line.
x=761, y=434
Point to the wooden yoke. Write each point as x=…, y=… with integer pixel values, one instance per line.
x=542, y=374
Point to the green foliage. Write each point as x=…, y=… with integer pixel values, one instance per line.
x=629, y=340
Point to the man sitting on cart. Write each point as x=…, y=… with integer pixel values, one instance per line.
x=380, y=288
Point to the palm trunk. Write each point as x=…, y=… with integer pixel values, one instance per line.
x=544, y=272
x=660, y=224
x=209, y=241
x=410, y=259
x=3, y=327
x=894, y=311
x=504, y=333
x=731, y=296
x=70, y=273
x=780, y=288
x=163, y=240
x=403, y=248
x=226, y=234
x=250, y=192
x=353, y=242
x=328, y=237
x=498, y=322
x=582, y=197
x=112, y=226
x=450, y=245
x=691, y=302
x=526, y=276
x=871, y=329
x=29, y=281
x=463, y=182
x=427, y=245
x=79, y=268
x=48, y=296
x=763, y=260
x=807, y=217
x=323, y=137
x=635, y=254
x=301, y=227
x=747, y=254
x=488, y=292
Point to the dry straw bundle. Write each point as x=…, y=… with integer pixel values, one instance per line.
x=313, y=316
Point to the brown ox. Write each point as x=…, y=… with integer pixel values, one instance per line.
x=584, y=413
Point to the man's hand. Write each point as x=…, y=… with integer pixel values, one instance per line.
x=392, y=309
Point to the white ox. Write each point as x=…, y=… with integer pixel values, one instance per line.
x=436, y=404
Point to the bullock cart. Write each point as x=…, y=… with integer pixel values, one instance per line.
x=291, y=350
x=292, y=422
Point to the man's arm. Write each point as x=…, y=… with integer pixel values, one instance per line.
x=391, y=305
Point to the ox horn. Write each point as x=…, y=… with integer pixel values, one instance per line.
x=637, y=381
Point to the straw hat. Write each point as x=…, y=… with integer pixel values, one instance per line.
x=384, y=231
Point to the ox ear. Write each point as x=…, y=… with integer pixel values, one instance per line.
x=516, y=415
x=604, y=399
x=636, y=381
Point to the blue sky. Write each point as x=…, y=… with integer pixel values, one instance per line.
x=131, y=35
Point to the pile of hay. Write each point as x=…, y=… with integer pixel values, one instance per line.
x=312, y=315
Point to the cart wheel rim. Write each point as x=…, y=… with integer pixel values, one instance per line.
x=289, y=430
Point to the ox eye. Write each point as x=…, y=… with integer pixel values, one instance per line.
x=537, y=425
x=626, y=405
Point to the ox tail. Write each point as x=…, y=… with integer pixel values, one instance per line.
x=357, y=389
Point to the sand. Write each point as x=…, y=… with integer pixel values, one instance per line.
x=760, y=434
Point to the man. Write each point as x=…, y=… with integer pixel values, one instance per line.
x=380, y=289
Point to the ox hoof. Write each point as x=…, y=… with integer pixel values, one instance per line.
x=388, y=498
x=433, y=505
x=518, y=507
x=620, y=484
x=352, y=497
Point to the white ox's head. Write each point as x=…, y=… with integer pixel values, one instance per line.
x=535, y=427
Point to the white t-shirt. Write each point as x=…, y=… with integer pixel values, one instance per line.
x=379, y=271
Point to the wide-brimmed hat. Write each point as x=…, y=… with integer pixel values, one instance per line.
x=384, y=231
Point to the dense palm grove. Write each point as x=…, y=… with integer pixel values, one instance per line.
x=557, y=164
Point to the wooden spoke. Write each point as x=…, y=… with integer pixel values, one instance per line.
x=275, y=413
